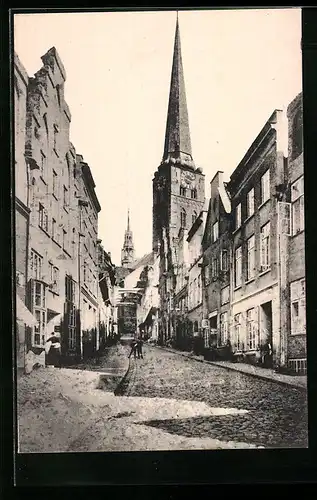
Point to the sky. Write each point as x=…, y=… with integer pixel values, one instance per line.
x=239, y=65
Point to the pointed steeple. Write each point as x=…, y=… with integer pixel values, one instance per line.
x=127, y=252
x=177, y=148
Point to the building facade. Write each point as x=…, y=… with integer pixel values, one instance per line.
x=296, y=296
x=106, y=298
x=24, y=320
x=216, y=245
x=257, y=187
x=195, y=275
x=61, y=199
x=87, y=258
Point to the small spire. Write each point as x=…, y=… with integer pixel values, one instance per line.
x=128, y=228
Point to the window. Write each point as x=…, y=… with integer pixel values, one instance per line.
x=298, y=209
x=43, y=165
x=238, y=216
x=55, y=147
x=224, y=295
x=223, y=328
x=265, y=187
x=55, y=184
x=183, y=218
x=215, y=270
x=58, y=94
x=45, y=123
x=70, y=311
x=200, y=297
x=64, y=239
x=298, y=307
x=74, y=243
x=297, y=134
x=194, y=217
x=85, y=272
x=250, y=203
x=224, y=260
x=215, y=231
x=54, y=277
x=193, y=193
x=65, y=197
x=265, y=247
x=39, y=311
x=36, y=264
x=251, y=329
x=43, y=217
x=54, y=229
x=238, y=267
x=251, y=258
x=207, y=275
x=237, y=331
x=182, y=191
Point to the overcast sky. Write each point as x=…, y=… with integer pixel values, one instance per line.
x=239, y=66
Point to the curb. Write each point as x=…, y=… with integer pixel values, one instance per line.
x=229, y=368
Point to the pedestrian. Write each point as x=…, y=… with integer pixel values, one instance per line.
x=139, y=347
x=134, y=346
x=53, y=350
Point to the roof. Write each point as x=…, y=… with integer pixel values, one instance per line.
x=177, y=147
x=146, y=260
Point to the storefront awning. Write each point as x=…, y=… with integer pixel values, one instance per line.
x=23, y=313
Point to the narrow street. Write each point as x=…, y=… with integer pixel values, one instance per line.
x=168, y=402
x=276, y=415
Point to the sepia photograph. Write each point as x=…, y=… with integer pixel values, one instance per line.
x=160, y=294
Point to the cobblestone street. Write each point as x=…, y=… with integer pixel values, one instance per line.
x=275, y=417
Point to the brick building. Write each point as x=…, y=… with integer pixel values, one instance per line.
x=256, y=188
x=216, y=246
x=106, y=297
x=178, y=189
x=87, y=258
x=195, y=275
x=24, y=319
x=61, y=199
x=295, y=298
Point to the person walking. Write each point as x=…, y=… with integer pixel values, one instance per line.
x=139, y=347
x=133, y=351
x=53, y=350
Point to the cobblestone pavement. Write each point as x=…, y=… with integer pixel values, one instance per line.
x=276, y=417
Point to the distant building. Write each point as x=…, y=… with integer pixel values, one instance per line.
x=216, y=244
x=127, y=252
x=178, y=190
x=106, y=297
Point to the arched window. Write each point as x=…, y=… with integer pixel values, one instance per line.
x=194, y=193
x=297, y=134
x=183, y=218
x=194, y=217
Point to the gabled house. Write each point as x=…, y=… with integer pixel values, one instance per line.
x=216, y=247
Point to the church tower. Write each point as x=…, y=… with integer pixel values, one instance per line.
x=127, y=252
x=178, y=185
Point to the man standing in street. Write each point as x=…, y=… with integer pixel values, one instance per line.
x=53, y=350
x=139, y=347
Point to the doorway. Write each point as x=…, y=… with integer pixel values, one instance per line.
x=267, y=334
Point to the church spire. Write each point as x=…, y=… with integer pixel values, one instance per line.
x=177, y=148
x=127, y=252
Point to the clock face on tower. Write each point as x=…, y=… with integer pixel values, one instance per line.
x=188, y=180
